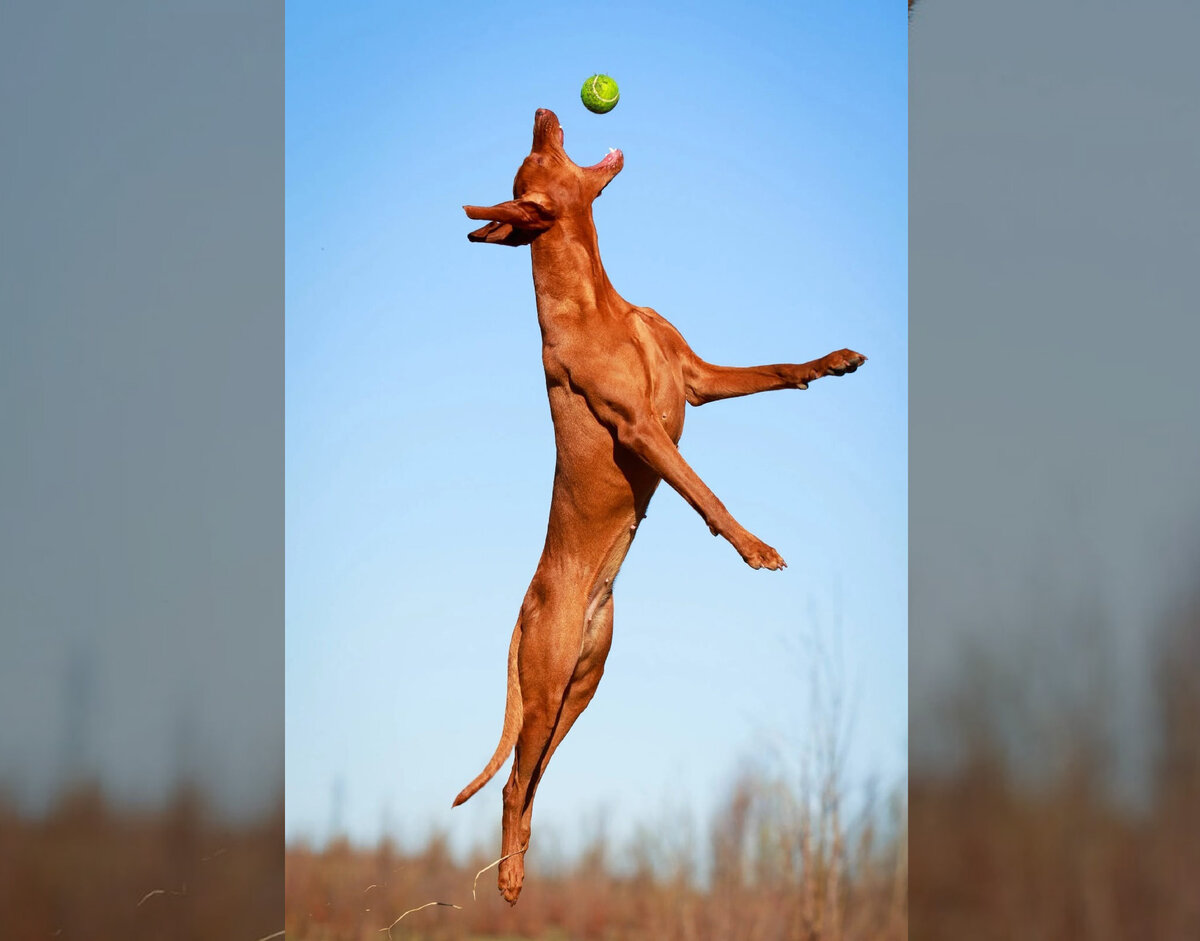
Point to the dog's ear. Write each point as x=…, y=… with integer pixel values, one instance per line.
x=501, y=233
x=516, y=222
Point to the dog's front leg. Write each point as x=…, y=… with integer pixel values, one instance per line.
x=708, y=383
x=639, y=433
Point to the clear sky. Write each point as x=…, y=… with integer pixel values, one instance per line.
x=762, y=210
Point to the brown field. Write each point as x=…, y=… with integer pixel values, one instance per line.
x=994, y=857
x=993, y=862
x=778, y=868
x=89, y=870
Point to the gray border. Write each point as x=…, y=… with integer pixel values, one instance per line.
x=1054, y=500
x=141, y=402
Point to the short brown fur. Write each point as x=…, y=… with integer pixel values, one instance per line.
x=618, y=377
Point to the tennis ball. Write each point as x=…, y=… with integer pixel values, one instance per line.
x=600, y=94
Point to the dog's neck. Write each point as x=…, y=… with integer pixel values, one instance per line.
x=568, y=276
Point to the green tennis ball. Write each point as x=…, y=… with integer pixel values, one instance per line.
x=600, y=94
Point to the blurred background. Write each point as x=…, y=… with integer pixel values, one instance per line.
x=762, y=210
x=141, y=421
x=1055, y=764
x=1055, y=516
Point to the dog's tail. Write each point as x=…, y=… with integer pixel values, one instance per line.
x=513, y=719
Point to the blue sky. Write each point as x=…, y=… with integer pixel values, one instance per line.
x=762, y=210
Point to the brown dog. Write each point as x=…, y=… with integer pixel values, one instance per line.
x=618, y=376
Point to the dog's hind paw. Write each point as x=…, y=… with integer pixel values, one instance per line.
x=511, y=877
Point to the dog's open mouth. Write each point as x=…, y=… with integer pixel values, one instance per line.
x=546, y=122
x=612, y=158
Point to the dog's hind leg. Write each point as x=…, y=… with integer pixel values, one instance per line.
x=548, y=718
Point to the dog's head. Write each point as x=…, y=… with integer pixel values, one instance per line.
x=549, y=186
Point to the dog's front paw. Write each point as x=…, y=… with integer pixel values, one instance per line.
x=759, y=555
x=841, y=362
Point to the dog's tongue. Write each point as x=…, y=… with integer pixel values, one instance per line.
x=610, y=158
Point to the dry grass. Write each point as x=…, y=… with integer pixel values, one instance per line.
x=776, y=867
x=89, y=870
x=998, y=858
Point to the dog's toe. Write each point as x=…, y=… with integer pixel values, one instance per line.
x=510, y=879
x=762, y=556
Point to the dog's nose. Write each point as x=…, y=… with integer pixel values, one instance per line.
x=539, y=112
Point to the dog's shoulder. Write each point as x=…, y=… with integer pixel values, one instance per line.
x=664, y=331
